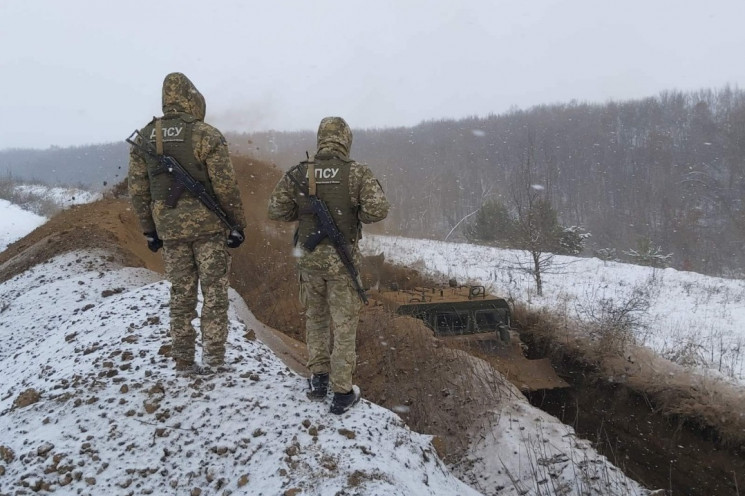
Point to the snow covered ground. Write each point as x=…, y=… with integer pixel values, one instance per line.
x=695, y=320
x=83, y=337
x=15, y=223
x=89, y=405
x=64, y=197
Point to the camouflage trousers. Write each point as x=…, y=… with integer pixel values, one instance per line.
x=203, y=262
x=331, y=299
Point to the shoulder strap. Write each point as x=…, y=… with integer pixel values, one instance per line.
x=159, y=136
x=311, y=178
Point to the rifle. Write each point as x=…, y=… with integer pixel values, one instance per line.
x=181, y=180
x=327, y=229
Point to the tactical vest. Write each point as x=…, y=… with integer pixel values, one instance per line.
x=332, y=186
x=177, y=142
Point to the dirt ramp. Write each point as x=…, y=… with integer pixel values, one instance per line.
x=263, y=269
x=107, y=223
x=436, y=389
x=110, y=223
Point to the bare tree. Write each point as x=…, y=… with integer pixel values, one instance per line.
x=535, y=220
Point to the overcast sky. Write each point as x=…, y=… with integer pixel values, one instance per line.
x=77, y=72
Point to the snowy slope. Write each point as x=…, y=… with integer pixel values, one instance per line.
x=64, y=197
x=15, y=223
x=112, y=416
x=89, y=405
x=693, y=319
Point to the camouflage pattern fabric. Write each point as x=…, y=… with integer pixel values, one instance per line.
x=190, y=219
x=331, y=300
x=180, y=95
x=194, y=248
x=204, y=262
x=364, y=190
x=326, y=289
x=334, y=135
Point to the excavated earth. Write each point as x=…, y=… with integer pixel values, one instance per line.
x=660, y=450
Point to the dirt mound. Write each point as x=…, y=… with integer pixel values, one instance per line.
x=437, y=389
x=108, y=223
x=263, y=272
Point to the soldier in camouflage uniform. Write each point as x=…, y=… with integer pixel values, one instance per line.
x=193, y=239
x=353, y=196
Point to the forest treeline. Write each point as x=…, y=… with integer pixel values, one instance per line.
x=666, y=172
x=91, y=167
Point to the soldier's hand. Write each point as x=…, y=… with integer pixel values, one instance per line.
x=154, y=243
x=235, y=238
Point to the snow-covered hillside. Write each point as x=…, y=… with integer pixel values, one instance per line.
x=695, y=320
x=90, y=404
x=15, y=223
x=63, y=197
x=18, y=220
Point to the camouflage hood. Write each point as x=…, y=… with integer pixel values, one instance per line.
x=180, y=95
x=334, y=135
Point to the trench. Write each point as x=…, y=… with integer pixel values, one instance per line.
x=658, y=451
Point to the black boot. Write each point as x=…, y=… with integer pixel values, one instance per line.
x=319, y=386
x=344, y=401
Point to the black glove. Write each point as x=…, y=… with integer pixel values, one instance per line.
x=235, y=238
x=153, y=241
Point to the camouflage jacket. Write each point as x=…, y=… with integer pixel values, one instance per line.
x=190, y=219
x=365, y=192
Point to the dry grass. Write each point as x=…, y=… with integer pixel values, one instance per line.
x=673, y=391
x=376, y=272
x=31, y=202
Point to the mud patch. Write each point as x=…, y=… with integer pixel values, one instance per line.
x=510, y=360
